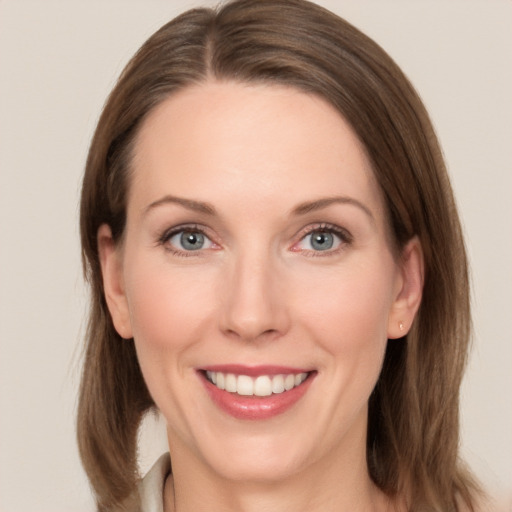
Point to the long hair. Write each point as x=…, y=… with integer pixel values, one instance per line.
x=413, y=429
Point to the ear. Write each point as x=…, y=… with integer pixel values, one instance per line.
x=113, y=281
x=409, y=289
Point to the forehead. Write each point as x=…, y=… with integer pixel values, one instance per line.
x=220, y=141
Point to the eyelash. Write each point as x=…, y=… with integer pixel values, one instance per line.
x=345, y=239
x=344, y=236
x=164, y=238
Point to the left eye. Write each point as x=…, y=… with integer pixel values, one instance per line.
x=189, y=240
x=320, y=240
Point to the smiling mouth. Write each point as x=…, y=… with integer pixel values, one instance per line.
x=256, y=392
x=260, y=386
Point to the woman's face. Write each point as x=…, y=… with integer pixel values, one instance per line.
x=256, y=255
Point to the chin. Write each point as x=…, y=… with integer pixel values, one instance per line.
x=260, y=455
x=261, y=466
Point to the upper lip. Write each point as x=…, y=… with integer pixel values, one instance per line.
x=254, y=371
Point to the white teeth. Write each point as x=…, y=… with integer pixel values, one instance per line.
x=230, y=383
x=289, y=382
x=278, y=384
x=244, y=385
x=263, y=385
x=220, y=380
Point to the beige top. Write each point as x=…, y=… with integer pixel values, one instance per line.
x=151, y=487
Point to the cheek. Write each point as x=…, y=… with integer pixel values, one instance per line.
x=347, y=314
x=356, y=299
x=169, y=308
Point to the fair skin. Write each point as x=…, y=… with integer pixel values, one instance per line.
x=257, y=236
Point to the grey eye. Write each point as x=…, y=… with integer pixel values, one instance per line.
x=190, y=241
x=321, y=241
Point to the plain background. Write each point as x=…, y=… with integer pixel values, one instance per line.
x=58, y=61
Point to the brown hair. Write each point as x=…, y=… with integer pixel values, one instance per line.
x=412, y=441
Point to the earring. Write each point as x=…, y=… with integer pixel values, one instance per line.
x=401, y=326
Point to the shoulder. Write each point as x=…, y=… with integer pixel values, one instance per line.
x=151, y=488
x=149, y=494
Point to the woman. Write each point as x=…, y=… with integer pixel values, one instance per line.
x=276, y=265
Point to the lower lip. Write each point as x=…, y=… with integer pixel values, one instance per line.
x=256, y=407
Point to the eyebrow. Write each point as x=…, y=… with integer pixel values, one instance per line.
x=319, y=204
x=189, y=204
x=301, y=209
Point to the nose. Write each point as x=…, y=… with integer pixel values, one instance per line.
x=254, y=302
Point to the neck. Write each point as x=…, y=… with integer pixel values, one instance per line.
x=311, y=496
x=337, y=484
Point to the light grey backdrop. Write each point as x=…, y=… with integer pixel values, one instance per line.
x=58, y=61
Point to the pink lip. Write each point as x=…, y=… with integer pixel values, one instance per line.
x=254, y=371
x=253, y=407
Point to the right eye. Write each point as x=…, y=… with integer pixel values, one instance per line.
x=320, y=240
x=186, y=240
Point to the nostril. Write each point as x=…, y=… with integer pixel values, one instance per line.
x=253, y=335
